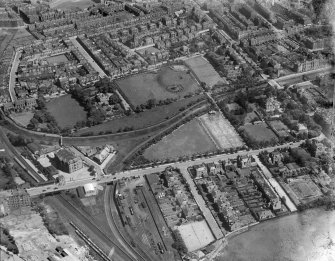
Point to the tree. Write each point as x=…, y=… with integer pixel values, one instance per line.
x=114, y=99
x=318, y=6
x=151, y=103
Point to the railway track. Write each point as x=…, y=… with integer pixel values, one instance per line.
x=83, y=217
x=18, y=158
x=109, y=198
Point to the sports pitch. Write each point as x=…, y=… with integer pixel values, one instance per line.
x=221, y=131
x=203, y=70
x=166, y=83
x=196, y=235
x=305, y=188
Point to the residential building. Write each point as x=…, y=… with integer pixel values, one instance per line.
x=201, y=170
x=272, y=105
x=67, y=161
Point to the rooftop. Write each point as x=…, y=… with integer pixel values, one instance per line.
x=65, y=155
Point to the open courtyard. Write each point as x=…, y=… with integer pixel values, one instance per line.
x=164, y=84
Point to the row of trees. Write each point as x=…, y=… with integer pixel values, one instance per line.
x=10, y=242
x=54, y=225
x=138, y=156
x=7, y=170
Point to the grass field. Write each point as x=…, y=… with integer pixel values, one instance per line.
x=278, y=125
x=70, y=4
x=259, y=132
x=66, y=111
x=203, y=70
x=142, y=119
x=57, y=59
x=145, y=86
x=187, y=140
x=222, y=132
x=23, y=118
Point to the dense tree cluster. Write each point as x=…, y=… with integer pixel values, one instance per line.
x=7, y=170
x=318, y=6
x=53, y=222
x=42, y=116
x=8, y=241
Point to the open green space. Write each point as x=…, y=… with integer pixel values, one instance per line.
x=57, y=59
x=165, y=84
x=22, y=118
x=259, y=132
x=70, y=4
x=66, y=111
x=203, y=70
x=142, y=119
x=187, y=140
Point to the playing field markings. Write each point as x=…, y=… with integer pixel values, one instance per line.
x=209, y=134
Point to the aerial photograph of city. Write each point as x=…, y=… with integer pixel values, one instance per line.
x=167, y=130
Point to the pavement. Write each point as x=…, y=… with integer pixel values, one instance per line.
x=149, y=170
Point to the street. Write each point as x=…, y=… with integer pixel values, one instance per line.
x=202, y=205
x=12, y=76
x=276, y=186
x=144, y=171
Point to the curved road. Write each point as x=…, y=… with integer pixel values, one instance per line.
x=100, y=138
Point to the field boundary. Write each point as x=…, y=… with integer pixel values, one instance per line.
x=209, y=134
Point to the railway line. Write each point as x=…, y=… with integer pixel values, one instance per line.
x=18, y=159
x=109, y=196
x=97, y=231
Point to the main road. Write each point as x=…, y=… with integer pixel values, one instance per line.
x=149, y=170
